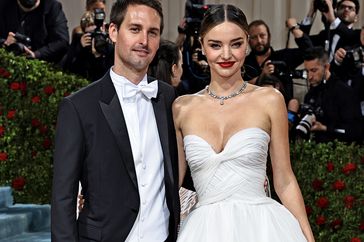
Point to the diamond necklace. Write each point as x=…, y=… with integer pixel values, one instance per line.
x=222, y=98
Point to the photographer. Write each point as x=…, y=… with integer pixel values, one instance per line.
x=195, y=68
x=91, y=53
x=335, y=107
x=338, y=29
x=263, y=60
x=35, y=28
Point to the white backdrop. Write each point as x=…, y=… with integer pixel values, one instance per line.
x=274, y=12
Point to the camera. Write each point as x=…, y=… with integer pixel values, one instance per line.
x=298, y=74
x=100, y=37
x=194, y=16
x=354, y=57
x=21, y=41
x=321, y=5
x=304, y=126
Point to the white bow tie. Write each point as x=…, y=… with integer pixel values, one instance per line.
x=149, y=91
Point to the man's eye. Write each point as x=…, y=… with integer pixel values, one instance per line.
x=134, y=30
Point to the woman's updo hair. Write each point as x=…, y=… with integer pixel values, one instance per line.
x=221, y=13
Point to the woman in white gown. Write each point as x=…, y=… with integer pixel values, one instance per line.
x=224, y=133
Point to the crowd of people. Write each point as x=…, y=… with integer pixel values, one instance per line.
x=90, y=54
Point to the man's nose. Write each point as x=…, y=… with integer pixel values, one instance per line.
x=143, y=38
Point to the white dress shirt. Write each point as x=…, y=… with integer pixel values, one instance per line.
x=153, y=218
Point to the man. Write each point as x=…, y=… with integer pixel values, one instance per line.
x=117, y=138
x=43, y=21
x=334, y=104
x=259, y=62
x=338, y=30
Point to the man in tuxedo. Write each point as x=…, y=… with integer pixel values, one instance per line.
x=117, y=137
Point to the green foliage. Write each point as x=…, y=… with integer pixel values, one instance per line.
x=332, y=183
x=30, y=91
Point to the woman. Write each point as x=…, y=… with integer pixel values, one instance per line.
x=224, y=133
x=167, y=64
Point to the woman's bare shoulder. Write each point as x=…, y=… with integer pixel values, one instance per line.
x=266, y=94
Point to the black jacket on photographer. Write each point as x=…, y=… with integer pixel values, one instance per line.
x=81, y=61
x=292, y=57
x=46, y=26
x=335, y=106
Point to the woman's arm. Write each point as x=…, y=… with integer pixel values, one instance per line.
x=285, y=182
x=177, y=117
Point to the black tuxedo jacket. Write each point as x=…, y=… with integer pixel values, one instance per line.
x=92, y=146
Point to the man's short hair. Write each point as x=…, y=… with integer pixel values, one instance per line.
x=316, y=52
x=120, y=7
x=356, y=2
x=259, y=22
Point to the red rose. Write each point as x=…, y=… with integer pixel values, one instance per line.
x=320, y=220
x=66, y=94
x=23, y=86
x=355, y=239
x=349, y=168
x=338, y=185
x=36, y=99
x=361, y=226
x=15, y=86
x=48, y=90
x=3, y=156
x=336, y=224
x=43, y=129
x=308, y=210
x=2, y=130
x=47, y=143
x=18, y=183
x=11, y=114
x=330, y=166
x=322, y=202
x=317, y=184
x=4, y=73
x=349, y=201
x=35, y=122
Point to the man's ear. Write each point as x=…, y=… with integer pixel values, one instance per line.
x=174, y=70
x=113, y=32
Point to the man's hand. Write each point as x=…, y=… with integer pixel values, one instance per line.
x=329, y=15
x=29, y=53
x=268, y=68
x=318, y=126
x=86, y=40
x=10, y=39
x=340, y=55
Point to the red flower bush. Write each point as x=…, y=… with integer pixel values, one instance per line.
x=2, y=130
x=28, y=111
x=3, y=156
x=349, y=201
x=36, y=99
x=15, y=86
x=49, y=90
x=355, y=240
x=330, y=176
x=317, y=184
x=320, y=220
x=18, y=183
x=330, y=166
x=11, y=114
x=339, y=185
x=348, y=168
x=322, y=202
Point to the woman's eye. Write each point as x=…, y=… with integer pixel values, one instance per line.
x=237, y=45
x=215, y=46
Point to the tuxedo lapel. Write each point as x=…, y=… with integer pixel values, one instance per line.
x=111, y=109
x=160, y=113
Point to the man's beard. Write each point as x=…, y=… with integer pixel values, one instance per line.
x=261, y=52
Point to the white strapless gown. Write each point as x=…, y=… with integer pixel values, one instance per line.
x=232, y=205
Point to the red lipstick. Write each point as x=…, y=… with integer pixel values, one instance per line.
x=226, y=64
